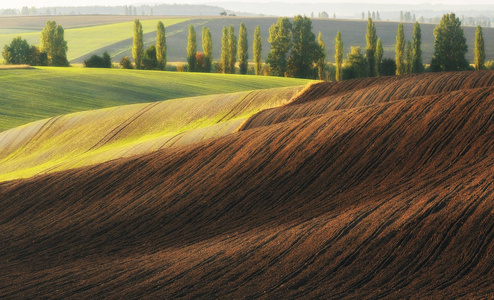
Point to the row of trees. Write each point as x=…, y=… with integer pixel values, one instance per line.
x=295, y=52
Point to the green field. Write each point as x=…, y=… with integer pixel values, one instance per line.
x=84, y=40
x=33, y=94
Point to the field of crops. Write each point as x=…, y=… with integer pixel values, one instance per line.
x=33, y=94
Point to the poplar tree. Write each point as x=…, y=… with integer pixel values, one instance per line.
x=338, y=57
x=400, y=51
x=225, y=51
x=321, y=61
x=479, y=49
x=243, y=55
x=54, y=45
x=379, y=56
x=257, y=48
x=450, y=45
x=207, y=48
x=138, y=45
x=409, y=58
x=417, y=65
x=161, y=46
x=232, y=43
x=280, y=38
x=192, y=49
x=371, y=38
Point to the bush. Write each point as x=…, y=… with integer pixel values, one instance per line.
x=98, y=61
x=489, y=65
x=171, y=68
x=125, y=63
x=387, y=67
x=181, y=68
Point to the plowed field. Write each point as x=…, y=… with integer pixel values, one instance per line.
x=380, y=188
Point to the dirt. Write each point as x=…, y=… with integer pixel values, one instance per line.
x=387, y=197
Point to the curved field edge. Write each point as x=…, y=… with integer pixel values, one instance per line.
x=93, y=137
x=39, y=93
x=392, y=200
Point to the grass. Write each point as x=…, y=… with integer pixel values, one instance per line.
x=33, y=94
x=92, y=137
x=88, y=39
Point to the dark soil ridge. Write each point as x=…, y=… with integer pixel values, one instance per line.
x=391, y=200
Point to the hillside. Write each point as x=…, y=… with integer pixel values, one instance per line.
x=92, y=137
x=384, y=190
x=34, y=94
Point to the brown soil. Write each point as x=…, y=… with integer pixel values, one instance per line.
x=388, y=194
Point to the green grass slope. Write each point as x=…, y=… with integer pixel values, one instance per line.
x=93, y=137
x=34, y=94
x=87, y=39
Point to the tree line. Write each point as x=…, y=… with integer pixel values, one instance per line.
x=294, y=51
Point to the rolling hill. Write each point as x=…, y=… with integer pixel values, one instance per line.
x=91, y=137
x=373, y=188
x=34, y=94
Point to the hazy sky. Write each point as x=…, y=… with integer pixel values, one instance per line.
x=44, y=3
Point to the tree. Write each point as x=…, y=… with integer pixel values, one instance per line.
x=356, y=65
x=371, y=38
x=409, y=58
x=280, y=38
x=192, y=49
x=232, y=46
x=305, y=50
x=207, y=48
x=417, y=65
x=321, y=63
x=161, y=46
x=400, y=51
x=18, y=52
x=138, y=44
x=257, y=48
x=479, y=49
x=338, y=57
x=379, y=56
x=243, y=55
x=149, y=60
x=450, y=45
x=54, y=44
x=225, y=52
